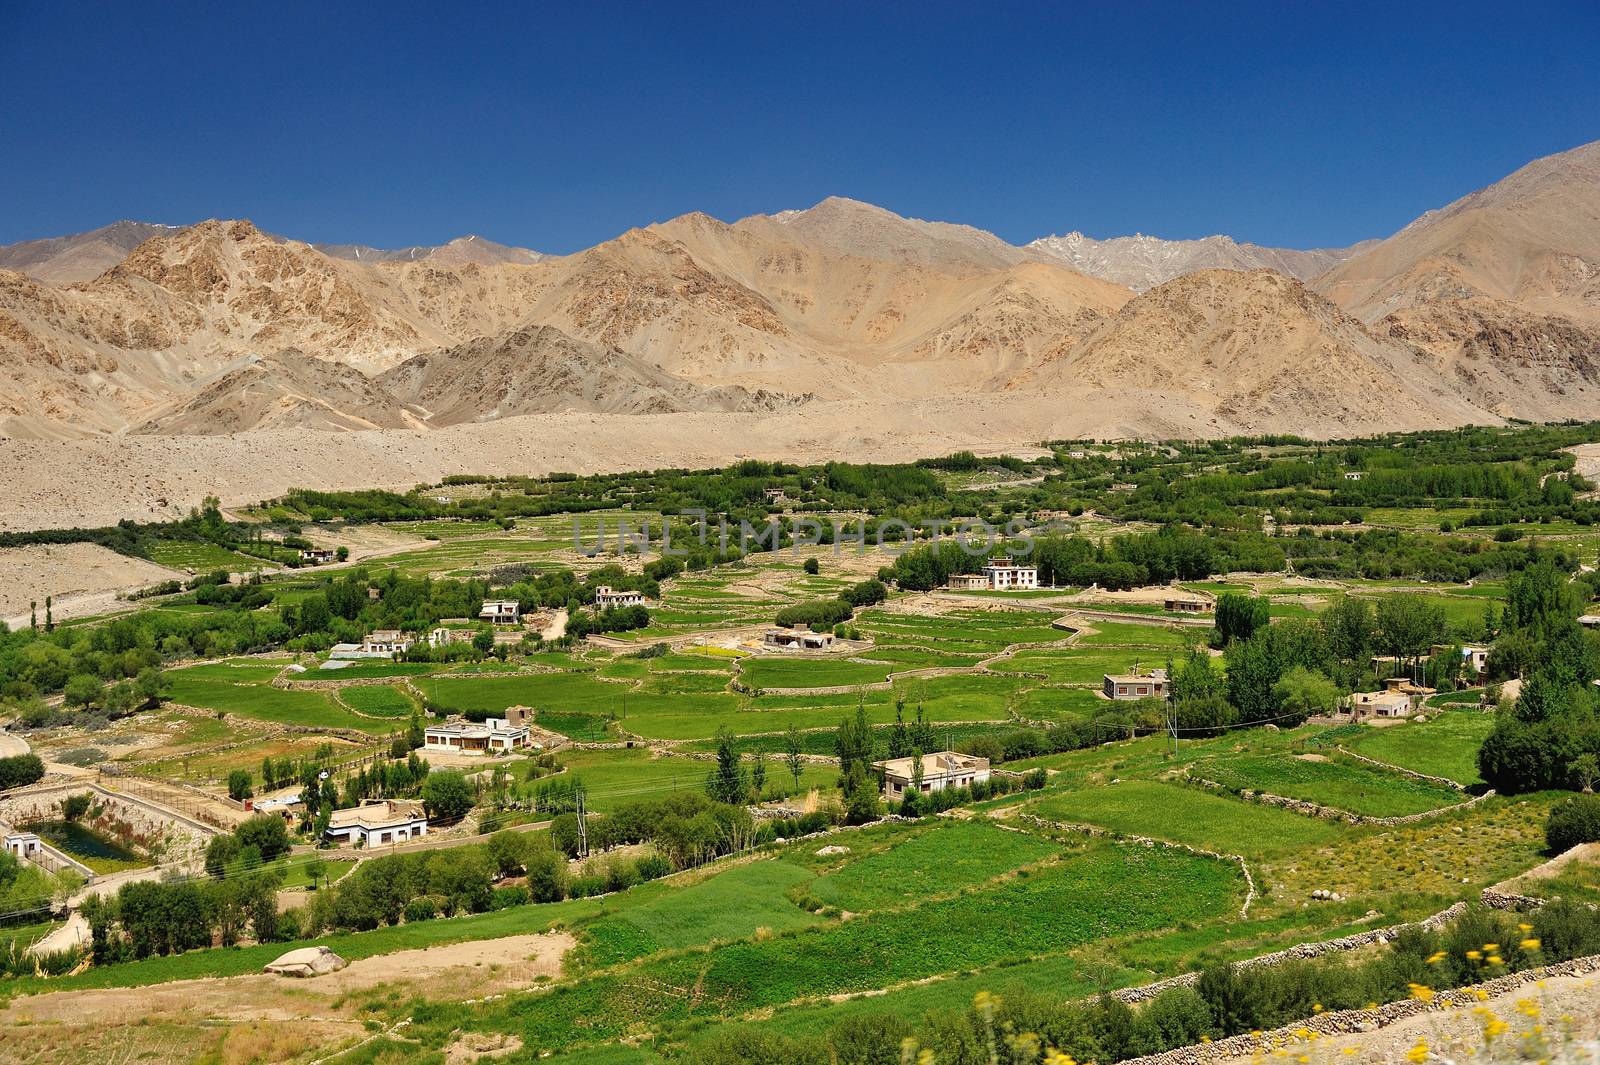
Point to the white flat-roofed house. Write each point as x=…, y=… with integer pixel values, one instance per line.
x=501, y=611
x=1354, y=475
x=940, y=770
x=969, y=582
x=1476, y=659
x=24, y=845
x=1005, y=575
x=497, y=735
x=385, y=643
x=606, y=597
x=1391, y=702
x=378, y=822
x=1136, y=685
x=317, y=556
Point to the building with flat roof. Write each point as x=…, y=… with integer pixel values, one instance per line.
x=386, y=642
x=606, y=597
x=799, y=638
x=1390, y=702
x=1136, y=685
x=1181, y=604
x=378, y=822
x=500, y=611
x=23, y=845
x=497, y=735
x=1000, y=574
x=317, y=556
x=940, y=770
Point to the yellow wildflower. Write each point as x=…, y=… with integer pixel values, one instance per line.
x=1421, y=992
x=1474, y=955
x=1531, y=943
x=1436, y=957
x=1419, y=1053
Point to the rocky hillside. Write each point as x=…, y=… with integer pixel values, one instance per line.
x=1141, y=262
x=1485, y=309
x=1231, y=351
x=540, y=370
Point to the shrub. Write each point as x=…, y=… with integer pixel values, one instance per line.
x=1572, y=821
x=20, y=770
x=421, y=908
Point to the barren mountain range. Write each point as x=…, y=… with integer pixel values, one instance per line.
x=1484, y=309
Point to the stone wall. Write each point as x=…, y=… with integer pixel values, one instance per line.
x=1346, y=1022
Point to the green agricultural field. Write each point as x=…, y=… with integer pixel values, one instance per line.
x=1447, y=746
x=378, y=700
x=201, y=556
x=258, y=699
x=773, y=672
x=1343, y=784
x=931, y=864
x=730, y=905
x=1103, y=889
x=1132, y=634
x=1188, y=815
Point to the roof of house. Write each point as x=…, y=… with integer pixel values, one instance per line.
x=385, y=813
x=937, y=764
x=1131, y=678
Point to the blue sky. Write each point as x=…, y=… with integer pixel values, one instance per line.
x=558, y=126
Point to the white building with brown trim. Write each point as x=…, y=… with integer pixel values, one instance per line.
x=1136, y=685
x=317, y=556
x=378, y=822
x=607, y=597
x=497, y=735
x=999, y=574
x=940, y=770
x=500, y=611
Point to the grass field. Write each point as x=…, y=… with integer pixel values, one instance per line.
x=1344, y=785
x=1188, y=815
x=378, y=700
x=205, y=687
x=1446, y=746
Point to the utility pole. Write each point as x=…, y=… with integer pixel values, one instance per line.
x=583, y=827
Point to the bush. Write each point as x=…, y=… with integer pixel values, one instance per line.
x=20, y=770
x=421, y=908
x=267, y=834
x=1573, y=821
x=239, y=785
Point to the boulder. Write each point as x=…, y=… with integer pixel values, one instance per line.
x=307, y=961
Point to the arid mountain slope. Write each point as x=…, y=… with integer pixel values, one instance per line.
x=1532, y=238
x=79, y=256
x=1501, y=288
x=1254, y=351
x=1142, y=262
x=541, y=370
x=468, y=249
x=285, y=390
x=861, y=229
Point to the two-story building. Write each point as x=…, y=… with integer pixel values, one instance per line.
x=501, y=611
x=378, y=822
x=606, y=597
x=940, y=770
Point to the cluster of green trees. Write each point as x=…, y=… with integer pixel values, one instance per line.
x=154, y=917
x=611, y=619
x=687, y=828
x=1550, y=736
x=1226, y=1000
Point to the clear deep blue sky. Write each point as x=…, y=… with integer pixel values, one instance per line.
x=556, y=126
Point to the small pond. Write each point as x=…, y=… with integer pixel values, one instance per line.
x=98, y=852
